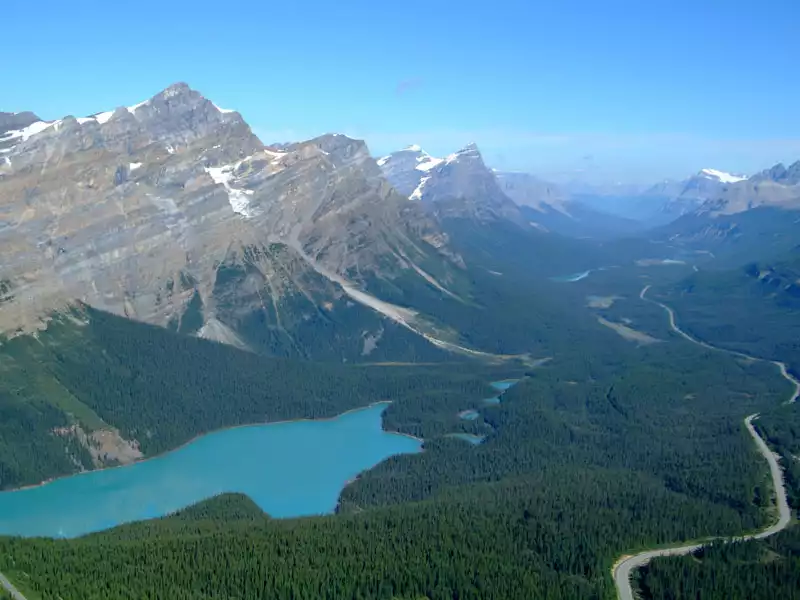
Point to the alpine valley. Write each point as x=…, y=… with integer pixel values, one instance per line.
x=572, y=370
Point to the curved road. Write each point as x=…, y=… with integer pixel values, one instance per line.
x=625, y=566
x=9, y=587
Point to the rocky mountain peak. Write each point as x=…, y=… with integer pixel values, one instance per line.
x=460, y=185
x=145, y=209
x=781, y=174
x=179, y=88
x=528, y=190
x=468, y=152
x=10, y=121
x=720, y=176
x=406, y=168
x=168, y=123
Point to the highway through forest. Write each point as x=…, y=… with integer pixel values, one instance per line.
x=626, y=565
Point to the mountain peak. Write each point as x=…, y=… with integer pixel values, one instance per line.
x=470, y=151
x=176, y=89
x=782, y=174
x=721, y=176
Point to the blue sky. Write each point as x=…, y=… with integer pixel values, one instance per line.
x=633, y=90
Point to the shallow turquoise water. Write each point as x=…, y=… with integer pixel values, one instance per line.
x=468, y=415
x=495, y=400
x=504, y=385
x=289, y=469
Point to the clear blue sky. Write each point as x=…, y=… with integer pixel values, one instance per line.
x=634, y=90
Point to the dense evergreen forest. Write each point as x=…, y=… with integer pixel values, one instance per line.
x=586, y=457
x=758, y=317
x=781, y=428
x=162, y=389
x=759, y=314
x=754, y=570
x=609, y=446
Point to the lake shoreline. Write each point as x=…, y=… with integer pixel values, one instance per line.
x=33, y=486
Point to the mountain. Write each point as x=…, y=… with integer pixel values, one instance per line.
x=460, y=185
x=685, y=196
x=12, y=127
x=777, y=187
x=746, y=220
x=549, y=208
x=406, y=168
x=171, y=211
x=758, y=315
x=528, y=190
x=781, y=175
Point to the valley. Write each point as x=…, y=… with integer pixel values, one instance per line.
x=404, y=377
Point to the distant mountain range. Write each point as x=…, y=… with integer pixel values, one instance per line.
x=461, y=185
x=171, y=211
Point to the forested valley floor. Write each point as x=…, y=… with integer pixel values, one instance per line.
x=611, y=446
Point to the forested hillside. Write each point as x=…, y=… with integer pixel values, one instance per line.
x=162, y=389
x=755, y=570
x=606, y=447
x=592, y=454
x=753, y=309
x=752, y=570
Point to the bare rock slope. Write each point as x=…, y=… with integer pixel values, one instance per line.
x=172, y=206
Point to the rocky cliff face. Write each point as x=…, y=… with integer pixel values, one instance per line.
x=460, y=185
x=777, y=187
x=144, y=211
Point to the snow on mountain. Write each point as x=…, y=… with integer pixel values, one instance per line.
x=12, y=137
x=459, y=185
x=407, y=168
x=721, y=176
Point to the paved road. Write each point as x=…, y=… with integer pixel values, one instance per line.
x=15, y=593
x=624, y=567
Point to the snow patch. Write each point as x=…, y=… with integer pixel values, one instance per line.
x=170, y=148
x=103, y=117
x=223, y=110
x=413, y=148
x=238, y=199
x=427, y=162
x=134, y=166
x=28, y=131
x=722, y=176
x=383, y=160
x=84, y=120
x=132, y=109
x=275, y=155
x=417, y=193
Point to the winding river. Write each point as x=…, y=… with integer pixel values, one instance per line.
x=624, y=567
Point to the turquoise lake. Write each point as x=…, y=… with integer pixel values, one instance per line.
x=289, y=469
x=504, y=385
